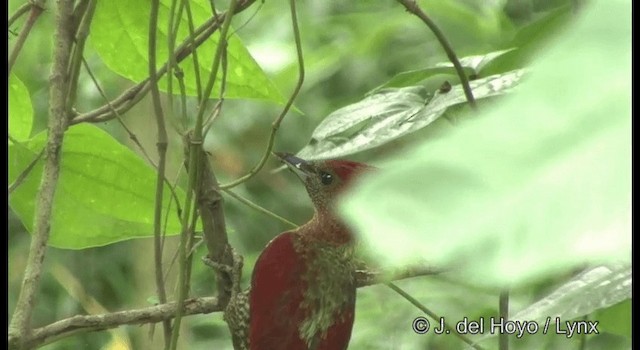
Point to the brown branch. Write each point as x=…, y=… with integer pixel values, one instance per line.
x=413, y=7
x=21, y=320
x=211, y=208
x=133, y=95
x=91, y=323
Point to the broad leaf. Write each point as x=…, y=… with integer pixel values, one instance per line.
x=119, y=33
x=105, y=193
x=20, y=110
x=538, y=185
x=594, y=289
x=471, y=65
x=392, y=113
x=616, y=319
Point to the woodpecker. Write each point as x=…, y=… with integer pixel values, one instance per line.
x=303, y=291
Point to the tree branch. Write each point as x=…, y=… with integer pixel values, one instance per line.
x=58, y=121
x=91, y=323
x=131, y=96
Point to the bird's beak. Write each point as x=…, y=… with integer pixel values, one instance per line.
x=299, y=166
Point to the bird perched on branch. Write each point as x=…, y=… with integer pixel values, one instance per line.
x=303, y=290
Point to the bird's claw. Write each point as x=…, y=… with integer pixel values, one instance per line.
x=234, y=271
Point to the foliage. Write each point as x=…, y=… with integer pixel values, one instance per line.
x=486, y=183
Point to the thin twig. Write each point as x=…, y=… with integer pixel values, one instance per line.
x=504, y=315
x=37, y=7
x=81, y=34
x=431, y=314
x=133, y=95
x=223, y=84
x=91, y=323
x=19, y=13
x=172, y=34
x=370, y=277
x=23, y=175
x=276, y=124
x=252, y=205
x=131, y=134
x=162, y=151
x=194, y=54
x=20, y=325
x=413, y=7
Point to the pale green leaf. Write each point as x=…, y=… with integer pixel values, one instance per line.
x=470, y=64
x=119, y=33
x=594, y=289
x=20, y=110
x=105, y=193
x=538, y=185
x=392, y=113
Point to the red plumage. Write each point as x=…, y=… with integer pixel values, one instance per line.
x=303, y=290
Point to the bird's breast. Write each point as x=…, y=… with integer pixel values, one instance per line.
x=330, y=295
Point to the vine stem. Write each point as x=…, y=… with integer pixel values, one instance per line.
x=276, y=123
x=412, y=6
x=431, y=314
x=162, y=151
x=37, y=7
x=504, y=315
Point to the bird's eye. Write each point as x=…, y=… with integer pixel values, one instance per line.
x=326, y=178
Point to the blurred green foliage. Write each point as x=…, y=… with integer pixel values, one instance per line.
x=350, y=48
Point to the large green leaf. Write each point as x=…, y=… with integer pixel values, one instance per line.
x=578, y=299
x=470, y=64
x=119, y=33
x=538, y=185
x=616, y=319
x=392, y=113
x=20, y=110
x=596, y=288
x=105, y=194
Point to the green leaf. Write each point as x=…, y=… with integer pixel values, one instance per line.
x=597, y=288
x=105, y=193
x=20, y=110
x=477, y=62
x=591, y=295
x=616, y=319
x=539, y=185
x=531, y=39
x=119, y=33
x=392, y=113
x=470, y=64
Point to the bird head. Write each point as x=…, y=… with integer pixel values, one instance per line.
x=323, y=179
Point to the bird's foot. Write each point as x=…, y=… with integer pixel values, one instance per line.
x=234, y=271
